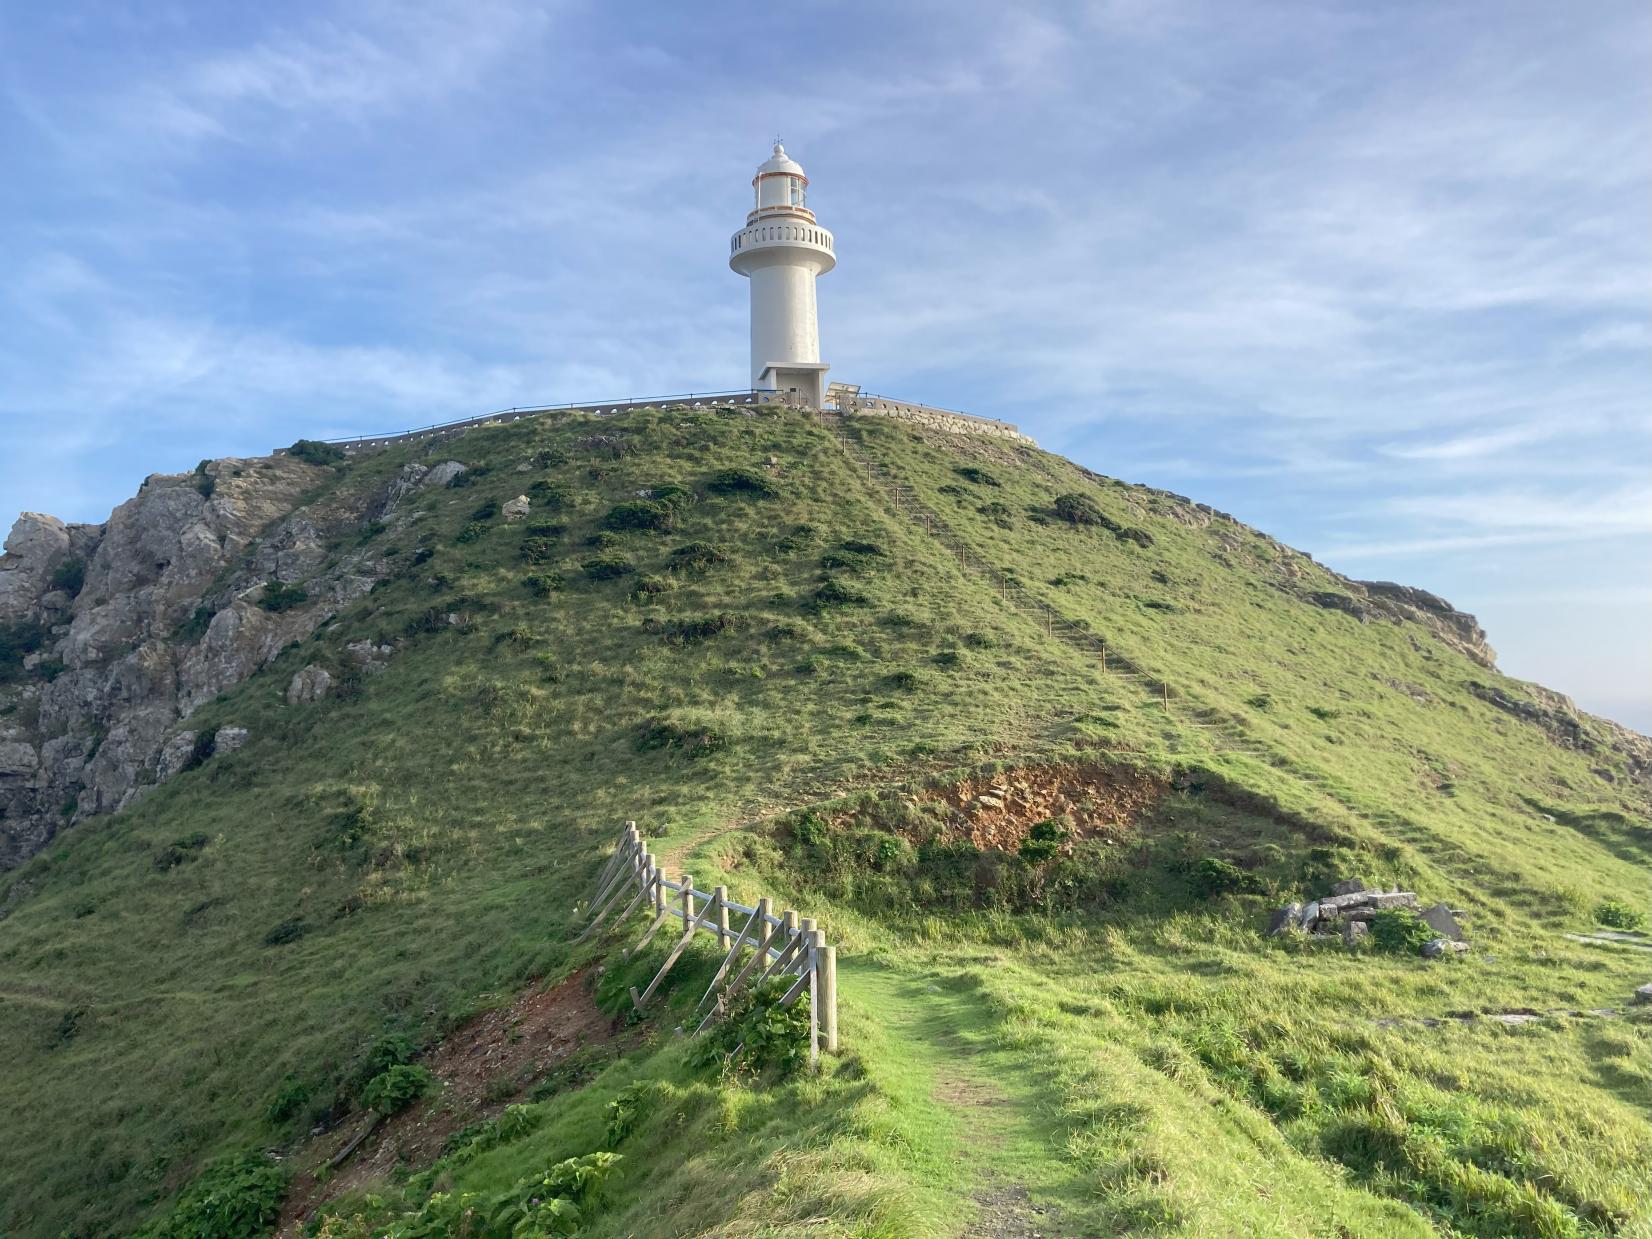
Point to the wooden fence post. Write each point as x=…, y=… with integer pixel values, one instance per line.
x=719, y=900
x=828, y=995
x=659, y=883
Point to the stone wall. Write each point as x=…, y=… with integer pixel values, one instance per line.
x=938, y=419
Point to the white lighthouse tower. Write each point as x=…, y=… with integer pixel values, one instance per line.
x=781, y=250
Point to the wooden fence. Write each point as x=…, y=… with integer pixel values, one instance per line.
x=777, y=946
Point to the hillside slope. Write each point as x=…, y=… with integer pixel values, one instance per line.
x=316, y=752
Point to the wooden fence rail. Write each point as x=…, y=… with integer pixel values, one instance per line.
x=786, y=945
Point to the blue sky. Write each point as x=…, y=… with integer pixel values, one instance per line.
x=1375, y=277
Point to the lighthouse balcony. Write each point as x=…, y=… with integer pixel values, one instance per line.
x=778, y=234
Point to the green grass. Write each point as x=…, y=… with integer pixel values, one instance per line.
x=406, y=852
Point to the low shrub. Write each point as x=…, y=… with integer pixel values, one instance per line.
x=486, y=511
x=801, y=537
x=194, y=628
x=695, y=557
x=648, y=587
x=549, y=458
x=1615, y=914
x=774, y=1041
x=1079, y=509
x=977, y=475
x=69, y=575
x=1212, y=876
x=536, y=550
x=998, y=513
x=903, y=681
x=289, y=1099
x=834, y=594
x=235, y=1197
x=396, y=1087
x=674, y=496
x=472, y=531
x=1044, y=840
x=544, y=529
x=1139, y=536
x=290, y=930
x=603, y=539
x=1399, y=931
x=18, y=640
x=691, y=741
x=542, y=584
x=641, y=514
x=607, y=567
x=689, y=631
x=279, y=596
x=548, y=495
x=744, y=483
x=314, y=452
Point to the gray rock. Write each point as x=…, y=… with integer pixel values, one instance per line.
x=1643, y=993
x=174, y=755
x=228, y=738
x=1350, y=886
x=1434, y=948
x=1441, y=921
x=1353, y=931
x=443, y=474
x=989, y=802
x=18, y=760
x=37, y=544
x=515, y=509
x=1285, y=918
x=1308, y=915
x=310, y=684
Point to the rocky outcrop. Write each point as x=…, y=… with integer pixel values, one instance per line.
x=1457, y=629
x=141, y=621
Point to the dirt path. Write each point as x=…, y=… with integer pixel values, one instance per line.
x=481, y=1068
x=939, y=1027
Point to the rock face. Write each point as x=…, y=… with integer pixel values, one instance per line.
x=144, y=619
x=1458, y=629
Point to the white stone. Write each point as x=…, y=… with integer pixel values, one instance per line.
x=781, y=250
x=310, y=684
x=515, y=509
x=228, y=739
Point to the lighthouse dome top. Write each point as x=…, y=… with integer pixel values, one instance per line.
x=780, y=162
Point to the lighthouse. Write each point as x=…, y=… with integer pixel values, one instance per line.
x=781, y=250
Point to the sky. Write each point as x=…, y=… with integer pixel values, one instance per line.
x=1373, y=277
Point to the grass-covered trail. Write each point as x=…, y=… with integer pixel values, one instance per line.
x=977, y=1097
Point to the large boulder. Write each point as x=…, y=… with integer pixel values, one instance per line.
x=309, y=684
x=35, y=548
x=1439, y=918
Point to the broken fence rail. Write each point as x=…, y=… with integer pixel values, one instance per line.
x=780, y=946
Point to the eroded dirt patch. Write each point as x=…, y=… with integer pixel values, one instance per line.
x=997, y=811
x=481, y=1068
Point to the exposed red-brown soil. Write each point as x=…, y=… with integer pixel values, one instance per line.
x=481, y=1068
x=997, y=811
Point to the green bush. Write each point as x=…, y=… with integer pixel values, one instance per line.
x=315, y=452
x=903, y=681
x=1213, y=876
x=542, y=584
x=1615, y=914
x=204, y=481
x=472, y=531
x=607, y=567
x=396, y=1087
x=833, y=594
x=800, y=537
x=695, y=557
x=769, y=1039
x=1044, y=840
x=691, y=741
x=536, y=550
x=1399, y=931
x=288, y=1100
x=549, y=458
x=998, y=513
x=17, y=641
x=973, y=473
x=1139, y=536
x=673, y=496
x=235, y=1197
x=69, y=575
x=647, y=587
x=279, y=596
x=645, y=514
x=290, y=930
x=745, y=483
x=689, y=631
x=1078, y=509
x=548, y=495
x=486, y=511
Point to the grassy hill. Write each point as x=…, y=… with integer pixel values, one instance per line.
x=730, y=628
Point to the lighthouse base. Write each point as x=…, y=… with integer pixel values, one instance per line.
x=803, y=381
